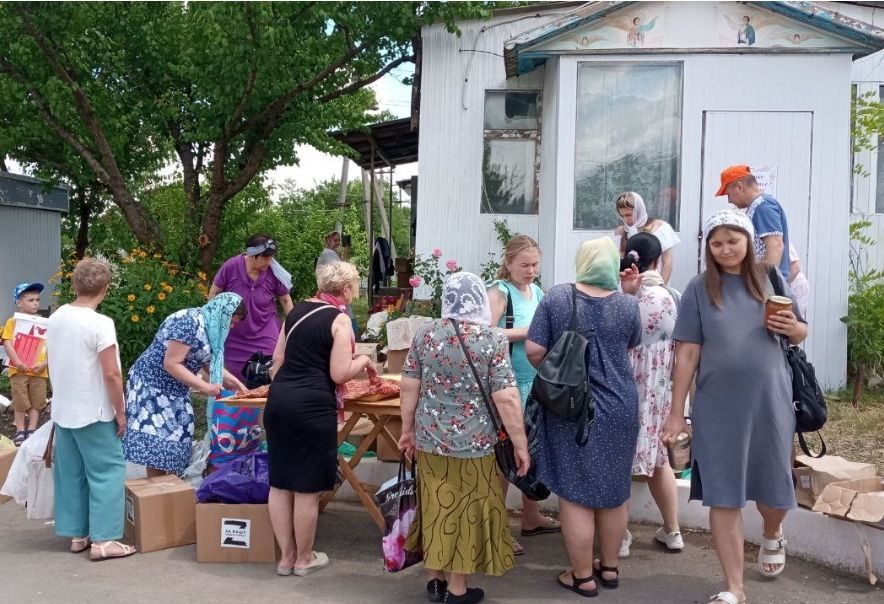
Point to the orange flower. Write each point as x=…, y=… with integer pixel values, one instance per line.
x=161, y=296
x=201, y=275
x=135, y=318
x=131, y=297
x=150, y=309
x=148, y=287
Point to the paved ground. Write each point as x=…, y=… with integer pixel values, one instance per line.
x=34, y=567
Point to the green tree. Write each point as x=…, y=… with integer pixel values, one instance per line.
x=226, y=89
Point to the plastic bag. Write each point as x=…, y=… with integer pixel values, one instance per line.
x=374, y=326
x=4, y=402
x=235, y=431
x=399, y=506
x=40, y=501
x=193, y=473
x=32, y=450
x=243, y=480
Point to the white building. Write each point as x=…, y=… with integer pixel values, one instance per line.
x=541, y=115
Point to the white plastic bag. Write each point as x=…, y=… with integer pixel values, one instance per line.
x=41, y=492
x=4, y=402
x=375, y=325
x=193, y=473
x=134, y=471
x=32, y=450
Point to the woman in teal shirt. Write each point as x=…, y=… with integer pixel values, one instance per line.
x=515, y=286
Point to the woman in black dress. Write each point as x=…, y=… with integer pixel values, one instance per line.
x=313, y=356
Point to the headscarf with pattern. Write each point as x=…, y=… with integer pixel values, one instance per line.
x=465, y=298
x=728, y=217
x=598, y=264
x=217, y=314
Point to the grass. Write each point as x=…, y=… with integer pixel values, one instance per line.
x=856, y=433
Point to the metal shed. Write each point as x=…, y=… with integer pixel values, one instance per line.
x=30, y=235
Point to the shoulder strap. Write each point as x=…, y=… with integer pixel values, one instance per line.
x=299, y=321
x=494, y=421
x=573, y=325
x=773, y=274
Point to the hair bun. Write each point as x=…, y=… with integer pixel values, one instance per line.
x=634, y=255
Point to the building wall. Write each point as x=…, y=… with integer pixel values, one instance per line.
x=30, y=250
x=451, y=156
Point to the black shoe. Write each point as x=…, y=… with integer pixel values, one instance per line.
x=436, y=590
x=471, y=596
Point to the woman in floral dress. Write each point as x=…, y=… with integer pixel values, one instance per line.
x=159, y=414
x=652, y=363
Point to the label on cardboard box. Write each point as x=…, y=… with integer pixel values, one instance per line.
x=130, y=509
x=236, y=532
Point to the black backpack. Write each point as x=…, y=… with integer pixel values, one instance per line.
x=256, y=371
x=562, y=384
x=807, y=396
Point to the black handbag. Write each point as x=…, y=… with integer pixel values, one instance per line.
x=256, y=371
x=504, y=452
x=807, y=396
x=562, y=383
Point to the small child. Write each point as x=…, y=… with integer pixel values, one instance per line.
x=28, y=382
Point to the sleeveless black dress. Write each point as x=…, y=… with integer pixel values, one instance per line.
x=300, y=418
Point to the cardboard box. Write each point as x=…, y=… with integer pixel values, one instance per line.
x=861, y=500
x=385, y=452
x=814, y=474
x=400, y=332
x=395, y=360
x=369, y=349
x=6, y=457
x=234, y=533
x=160, y=513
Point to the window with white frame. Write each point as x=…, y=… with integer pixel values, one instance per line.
x=628, y=138
x=509, y=157
x=867, y=149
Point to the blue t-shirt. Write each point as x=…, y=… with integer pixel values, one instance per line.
x=523, y=312
x=769, y=218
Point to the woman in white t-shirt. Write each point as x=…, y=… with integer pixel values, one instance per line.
x=632, y=211
x=87, y=407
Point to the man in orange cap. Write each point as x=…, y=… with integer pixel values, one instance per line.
x=765, y=212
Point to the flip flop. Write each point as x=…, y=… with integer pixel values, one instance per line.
x=551, y=526
x=518, y=549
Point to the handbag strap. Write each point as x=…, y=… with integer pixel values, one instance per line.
x=510, y=313
x=573, y=325
x=301, y=320
x=494, y=421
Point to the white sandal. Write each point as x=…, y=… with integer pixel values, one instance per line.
x=772, y=545
x=123, y=551
x=726, y=597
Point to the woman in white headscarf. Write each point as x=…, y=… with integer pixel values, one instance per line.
x=445, y=422
x=632, y=211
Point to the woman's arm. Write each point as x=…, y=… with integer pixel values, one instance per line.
x=173, y=363
x=509, y=407
x=286, y=303
x=666, y=269
x=535, y=352
x=409, y=392
x=113, y=382
x=278, y=353
x=498, y=308
x=231, y=382
x=687, y=359
x=343, y=367
x=214, y=291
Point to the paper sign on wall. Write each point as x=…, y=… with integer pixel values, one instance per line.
x=236, y=532
x=767, y=178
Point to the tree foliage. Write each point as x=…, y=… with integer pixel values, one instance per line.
x=225, y=89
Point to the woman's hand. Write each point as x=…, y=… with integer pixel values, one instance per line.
x=372, y=373
x=630, y=280
x=209, y=389
x=784, y=323
x=407, y=444
x=121, y=424
x=523, y=460
x=674, y=426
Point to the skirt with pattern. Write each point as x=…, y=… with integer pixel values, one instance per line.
x=463, y=524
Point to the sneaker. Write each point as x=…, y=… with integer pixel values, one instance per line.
x=472, y=595
x=625, y=545
x=672, y=541
x=436, y=590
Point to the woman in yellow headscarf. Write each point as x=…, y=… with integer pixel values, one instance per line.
x=592, y=481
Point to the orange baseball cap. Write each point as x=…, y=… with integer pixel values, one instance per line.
x=731, y=174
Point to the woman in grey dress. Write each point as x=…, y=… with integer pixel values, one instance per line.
x=742, y=416
x=592, y=481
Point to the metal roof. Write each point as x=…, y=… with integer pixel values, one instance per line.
x=26, y=192
x=518, y=58
x=387, y=144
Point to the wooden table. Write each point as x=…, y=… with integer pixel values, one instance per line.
x=378, y=413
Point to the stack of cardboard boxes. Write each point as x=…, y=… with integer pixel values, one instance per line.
x=844, y=489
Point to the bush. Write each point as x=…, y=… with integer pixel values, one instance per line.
x=144, y=290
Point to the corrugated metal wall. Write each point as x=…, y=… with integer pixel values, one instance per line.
x=30, y=250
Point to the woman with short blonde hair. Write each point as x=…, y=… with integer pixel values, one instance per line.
x=313, y=359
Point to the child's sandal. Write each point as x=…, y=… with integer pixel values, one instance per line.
x=19, y=437
x=600, y=570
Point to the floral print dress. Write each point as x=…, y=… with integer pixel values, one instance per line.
x=159, y=414
x=652, y=363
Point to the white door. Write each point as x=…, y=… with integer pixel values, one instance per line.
x=777, y=146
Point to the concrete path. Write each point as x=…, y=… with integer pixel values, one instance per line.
x=34, y=567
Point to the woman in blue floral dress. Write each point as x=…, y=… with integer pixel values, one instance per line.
x=159, y=414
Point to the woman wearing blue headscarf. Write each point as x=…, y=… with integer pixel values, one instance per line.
x=159, y=414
